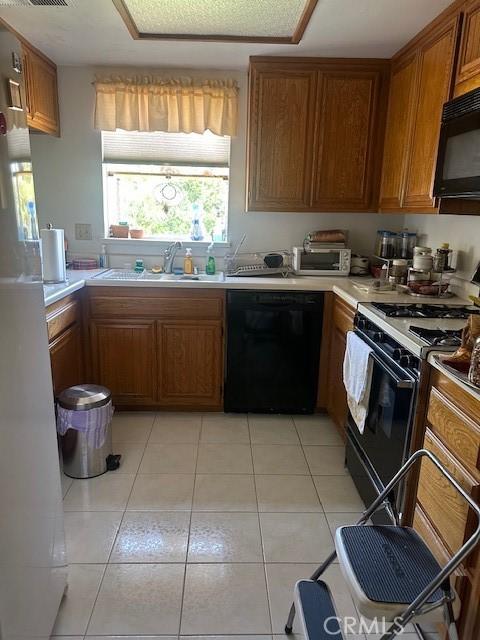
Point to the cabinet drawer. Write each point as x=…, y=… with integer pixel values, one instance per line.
x=424, y=527
x=445, y=507
x=189, y=305
x=62, y=315
x=343, y=315
x=457, y=431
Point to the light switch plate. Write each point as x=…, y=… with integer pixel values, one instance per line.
x=83, y=231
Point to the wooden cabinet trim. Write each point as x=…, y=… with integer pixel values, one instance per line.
x=343, y=315
x=342, y=321
x=452, y=11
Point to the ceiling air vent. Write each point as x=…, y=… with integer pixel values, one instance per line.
x=34, y=3
x=48, y=3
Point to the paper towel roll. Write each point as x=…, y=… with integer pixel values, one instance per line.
x=53, y=255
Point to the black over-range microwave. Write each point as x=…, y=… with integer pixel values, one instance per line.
x=458, y=162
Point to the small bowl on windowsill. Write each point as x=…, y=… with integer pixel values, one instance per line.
x=136, y=234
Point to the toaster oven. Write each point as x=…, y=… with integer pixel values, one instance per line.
x=322, y=261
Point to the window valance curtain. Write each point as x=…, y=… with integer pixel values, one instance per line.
x=177, y=105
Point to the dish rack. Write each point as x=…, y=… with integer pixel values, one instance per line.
x=253, y=264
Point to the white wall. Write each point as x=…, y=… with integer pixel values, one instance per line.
x=463, y=234
x=68, y=180
x=67, y=170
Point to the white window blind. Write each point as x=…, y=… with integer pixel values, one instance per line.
x=136, y=147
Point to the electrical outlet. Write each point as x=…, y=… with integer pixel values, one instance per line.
x=83, y=231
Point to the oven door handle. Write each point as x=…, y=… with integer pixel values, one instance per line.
x=400, y=382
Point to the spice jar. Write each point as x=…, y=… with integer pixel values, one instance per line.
x=474, y=372
x=398, y=271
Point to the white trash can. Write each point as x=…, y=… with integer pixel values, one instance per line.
x=84, y=420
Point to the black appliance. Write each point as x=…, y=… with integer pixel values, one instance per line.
x=421, y=310
x=438, y=337
x=374, y=456
x=458, y=161
x=273, y=349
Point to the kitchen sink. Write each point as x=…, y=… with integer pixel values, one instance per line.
x=125, y=274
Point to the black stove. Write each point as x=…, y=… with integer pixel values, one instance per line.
x=438, y=337
x=421, y=310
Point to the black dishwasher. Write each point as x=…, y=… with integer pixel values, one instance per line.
x=273, y=349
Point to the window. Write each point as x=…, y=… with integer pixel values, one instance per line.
x=164, y=182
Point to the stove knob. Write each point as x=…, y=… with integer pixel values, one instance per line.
x=397, y=353
x=361, y=324
x=407, y=360
x=378, y=336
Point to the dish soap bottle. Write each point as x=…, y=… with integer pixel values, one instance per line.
x=188, y=262
x=210, y=266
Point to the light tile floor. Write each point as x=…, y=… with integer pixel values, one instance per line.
x=205, y=527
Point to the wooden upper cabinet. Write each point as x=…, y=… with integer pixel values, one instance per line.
x=282, y=105
x=435, y=67
x=347, y=139
x=314, y=131
x=421, y=81
x=41, y=92
x=402, y=83
x=468, y=69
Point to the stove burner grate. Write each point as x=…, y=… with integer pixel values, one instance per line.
x=438, y=337
x=420, y=310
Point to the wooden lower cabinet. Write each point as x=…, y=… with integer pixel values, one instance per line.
x=341, y=322
x=441, y=516
x=190, y=363
x=66, y=357
x=65, y=337
x=124, y=359
x=158, y=348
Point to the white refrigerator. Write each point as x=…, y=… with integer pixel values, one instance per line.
x=33, y=567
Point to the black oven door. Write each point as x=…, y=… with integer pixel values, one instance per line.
x=458, y=161
x=384, y=444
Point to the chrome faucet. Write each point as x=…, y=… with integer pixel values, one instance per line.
x=169, y=256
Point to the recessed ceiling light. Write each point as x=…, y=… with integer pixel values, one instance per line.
x=280, y=21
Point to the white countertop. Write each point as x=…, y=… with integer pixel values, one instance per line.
x=473, y=391
x=75, y=281
x=342, y=286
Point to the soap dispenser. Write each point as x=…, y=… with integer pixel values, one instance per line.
x=188, y=262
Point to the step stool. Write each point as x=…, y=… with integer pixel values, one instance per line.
x=390, y=571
